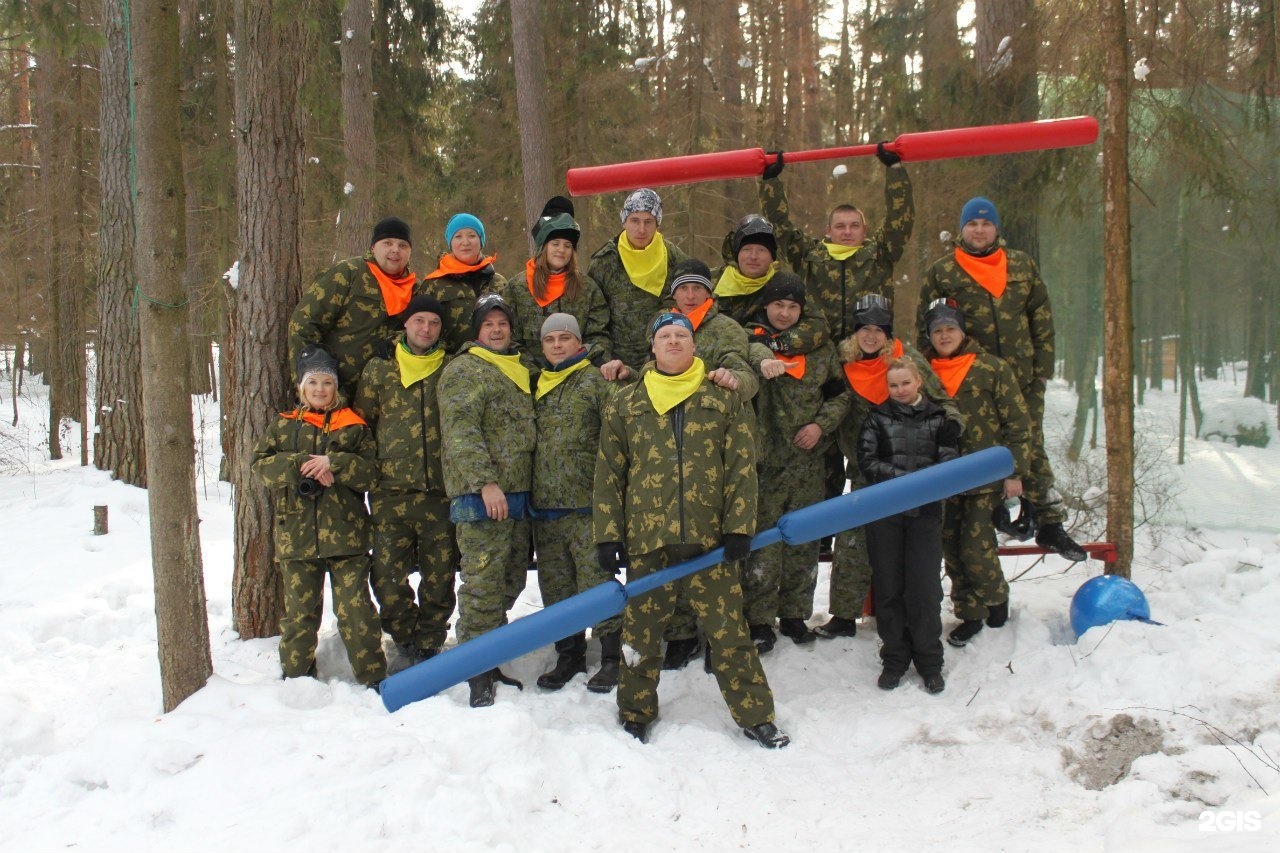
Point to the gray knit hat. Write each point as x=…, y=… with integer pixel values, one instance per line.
x=560, y=322
x=644, y=201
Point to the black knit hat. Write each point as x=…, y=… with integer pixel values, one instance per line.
x=691, y=271
x=486, y=304
x=393, y=227
x=421, y=302
x=783, y=285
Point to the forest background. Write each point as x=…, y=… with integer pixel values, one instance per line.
x=300, y=123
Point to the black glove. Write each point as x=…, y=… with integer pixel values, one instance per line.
x=774, y=169
x=949, y=433
x=736, y=546
x=884, y=155
x=612, y=556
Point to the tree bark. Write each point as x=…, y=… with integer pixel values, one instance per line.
x=531, y=81
x=118, y=444
x=1118, y=298
x=270, y=41
x=181, y=619
x=360, y=170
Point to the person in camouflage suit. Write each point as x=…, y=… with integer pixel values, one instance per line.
x=462, y=276
x=1007, y=312
x=797, y=412
x=986, y=391
x=675, y=477
x=569, y=400
x=551, y=283
x=486, y=417
x=633, y=271
x=317, y=461
x=864, y=359
x=347, y=308
x=738, y=284
x=411, y=527
x=847, y=262
x=722, y=347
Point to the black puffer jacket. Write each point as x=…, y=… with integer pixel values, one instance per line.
x=897, y=439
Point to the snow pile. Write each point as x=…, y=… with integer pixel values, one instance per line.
x=1245, y=421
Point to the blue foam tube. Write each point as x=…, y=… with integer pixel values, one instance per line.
x=598, y=603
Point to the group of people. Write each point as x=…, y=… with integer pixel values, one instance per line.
x=639, y=409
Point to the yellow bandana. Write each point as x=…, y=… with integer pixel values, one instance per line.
x=414, y=367
x=549, y=379
x=733, y=283
x=647, y=267
x=667, y=392
x=509, y=364
x=838, y=252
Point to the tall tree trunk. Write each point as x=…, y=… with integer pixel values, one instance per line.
x=531, y=81
x=270, y=44
x=182, y=625
x=118, y=444
x=1118, y=299
x=358, y=143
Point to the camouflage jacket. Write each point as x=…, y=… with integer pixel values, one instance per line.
x=406, y=427
x=784, y=404
x=588, y=308
x=334, y=523
x=1018, y=327
x=859, y=406
x=630, y=308
x=995, y=413
x=683, y=478
x=342, y=310
x=457, y=295
x=837, y=285
x=564, y=462
x=806, y=336
x=487, y=425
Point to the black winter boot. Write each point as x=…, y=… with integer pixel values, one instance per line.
x=638, y=730
x=934, y=683
x=837, y=626
x=997, y=615
x=889, y=680
x=680, y=652
x=1055, y=538
x=767, y=735
x=797, y=630
x=481, y=690
x=606, y=678
x=964, y=632
x=763, y=637
x=572, y=660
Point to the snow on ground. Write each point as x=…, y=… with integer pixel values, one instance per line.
x=1136, y=737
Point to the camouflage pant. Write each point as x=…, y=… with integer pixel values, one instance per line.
x=1039, y=482
x=969, y=548
x=850, y=567
x=716, y=597
x=779, y=580
x=414, y=532
x=567, y=562
x=304, y=607
x=494, y=565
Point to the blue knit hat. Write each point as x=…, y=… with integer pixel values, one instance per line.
x=463, y=220
x=669, y=318
x=979, y=208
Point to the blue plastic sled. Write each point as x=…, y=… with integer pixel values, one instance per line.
x=585, y=609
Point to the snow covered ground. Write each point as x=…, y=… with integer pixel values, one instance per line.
x=1134, y=738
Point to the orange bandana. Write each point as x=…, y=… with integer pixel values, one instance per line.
x=952, y=371
x=697, y=315
x=555, y=285
x=795, y=365
x=449, y=265
x=869, y=377
x=991, y=271
x=396, y=292
x=336, y=419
